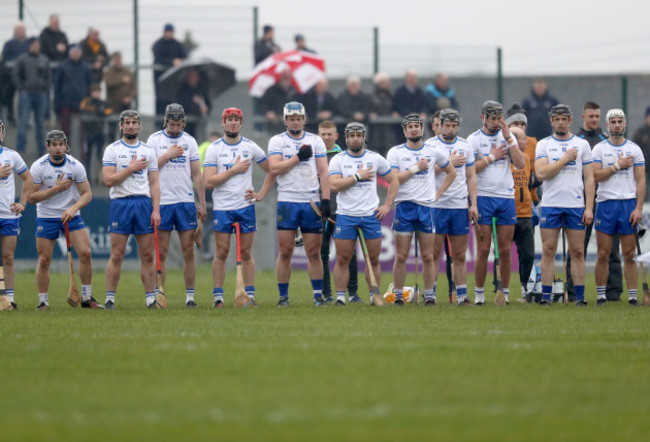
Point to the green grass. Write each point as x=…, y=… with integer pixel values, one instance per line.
x=304, y=373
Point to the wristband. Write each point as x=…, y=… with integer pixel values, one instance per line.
x=616, y=167
x=357, y=177
x=414, y=169
x=613, y=169
x=492, y=158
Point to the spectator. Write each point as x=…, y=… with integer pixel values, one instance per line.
x=642, y=138
x=11, y=50
x=590, y=129
x=440, y=94
x=31, y=76
x=272, y=103
x=409, y=98
x=537, y=106
x=121, y=87
x=93, y=52
x=300, y=44
x=382, y=136
x=93, y=106
x=167, y=52
x=194, y=98
x=353, y=104
x=72, y=81
x=54, y=43
x=319, y=104
x=265, y=46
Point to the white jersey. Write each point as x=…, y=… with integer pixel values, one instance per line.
x=421, y=187
x=566, y=189
x=175, y=177
x=621, y=185
x=230, y=195
x=456, y=195
x=300, y=184
x=120, y=154
x=360, y=199
x=7, y=184
x=496, y=179
x=45, y=173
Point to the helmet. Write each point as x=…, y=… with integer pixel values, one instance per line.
x=294, y=108
x=355, y=127
x=449, y=114
x=412, y=118
x=232, y=111
x=129, y=113
x=491, y=107
x=615, y=113
x=408, y=294
x=560, y=109
x=55, y=135
x=174, y=112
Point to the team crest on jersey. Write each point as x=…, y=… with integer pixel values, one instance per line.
x=245, y=154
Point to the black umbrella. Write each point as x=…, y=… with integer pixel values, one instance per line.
x=215, y=77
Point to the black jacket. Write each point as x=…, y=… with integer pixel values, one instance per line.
x=71, y=84
x=537, y=109
x=31, y=73
x=593, y=137
x=348, y=104
x=405, y=101
x=49, y=40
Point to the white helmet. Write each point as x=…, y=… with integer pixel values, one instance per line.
x=294, y=108
x=615, y=113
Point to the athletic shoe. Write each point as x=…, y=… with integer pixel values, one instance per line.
x=481, y=303
x=545, y=303
x=92, y=304
x=218, y=303
x=600, y=302
x=109, y=305
x=340, y=303
x=42, y=306
x=283, y=302
x=154, y=305
x=251, y=303
x=465, y=301
x=319, y=302
x=14, y=306
x=356, y=299
x=581, y=303
x=329, y=300
x=190, y=304
x=633, y=302
x=430, y=302
x=399, y=302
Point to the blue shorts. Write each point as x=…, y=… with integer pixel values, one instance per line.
x=503, y=209
x=552, y=217
x=346, y=227
x=131, y=215
x=49, y=228
x=10, y=227
x=613, y=217
x=222, y=220
x=410, y=216
x=179, y=216
x=294, y=215
x=451, y=221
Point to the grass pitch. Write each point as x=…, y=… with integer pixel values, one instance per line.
x=303, y=373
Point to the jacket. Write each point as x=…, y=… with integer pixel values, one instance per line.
x=71, y=84
x=537, y=109
x=593, y=137
x=49, y=40
x=116, y=89
x=31, y=74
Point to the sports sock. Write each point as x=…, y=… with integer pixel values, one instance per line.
x=580, y=292
x=398, y=294
x=150, y=298
x=317, y=287
x=479, y=294
x=10, y=295
x=546, y=292
x=250, y=291
x=631, y=293
x=506, y=292
x=435, y=287
x=340, y=295
x=110, y=296
x=217, y=293
x=601, y=291
x=429, y=294
x=86, y=291
x=42, y=298
x=189, y=294
x=283, y=288
x=461, y=292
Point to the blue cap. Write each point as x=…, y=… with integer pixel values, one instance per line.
x=169, y=27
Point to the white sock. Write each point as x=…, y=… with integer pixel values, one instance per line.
x=86, y=292
x=479, y=293
x=189, y=295
x=42, y=298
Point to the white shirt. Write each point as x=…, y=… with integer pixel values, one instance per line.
x=421, y=187
x=566, y=189
x=360, y=199
x=120, y=154
x=230, y=195
x=496, y=179
x=45, y=173
x=175, y=177
x=7, y=184
x=456, y=195
x=621, y=185
x=300, y=184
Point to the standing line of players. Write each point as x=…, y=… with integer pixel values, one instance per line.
x=439, y=185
